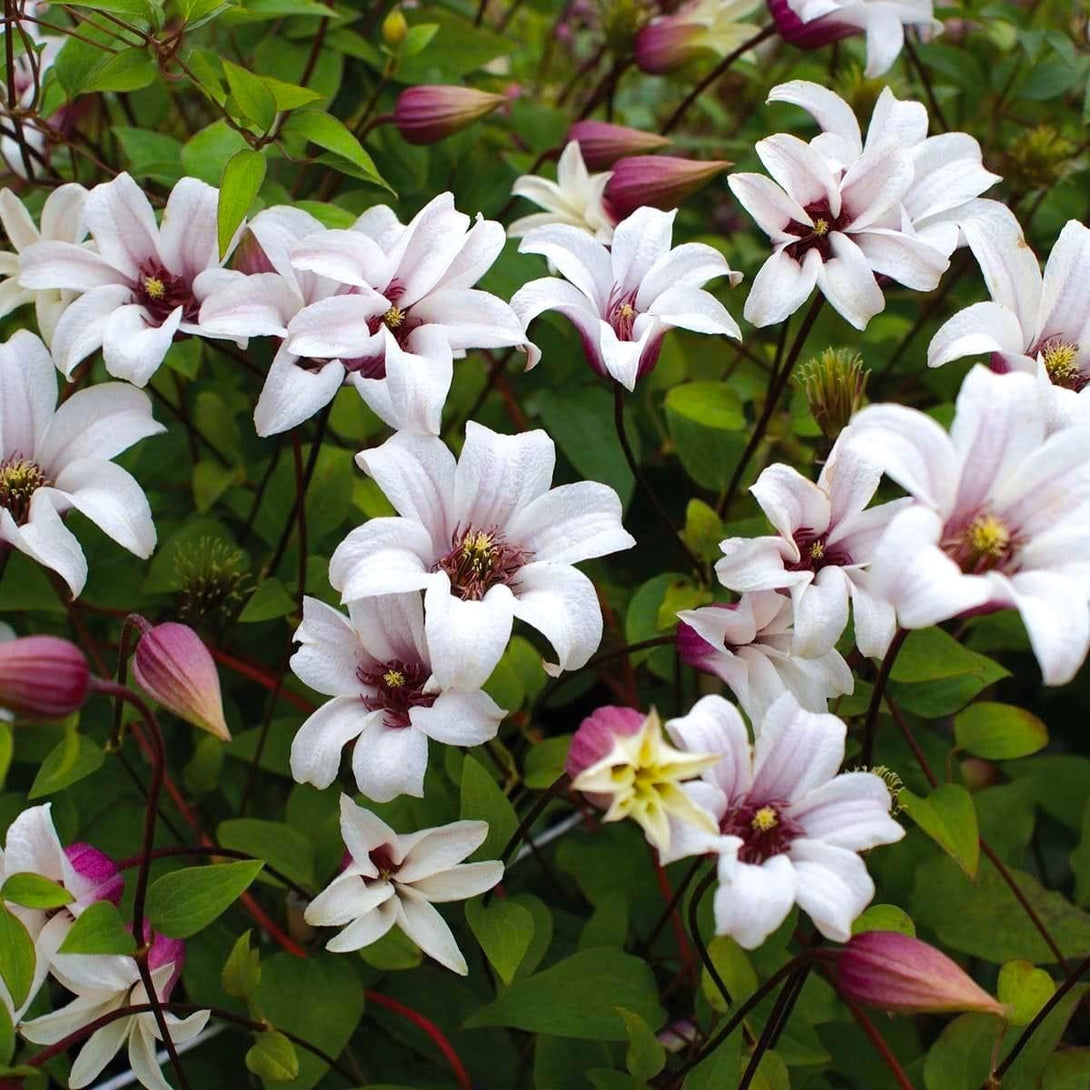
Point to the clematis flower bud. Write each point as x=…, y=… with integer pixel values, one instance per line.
x=668, y=44
x=174, y=668
x=835, y=384
x=602, y=143
x=899, y=973
x=428, y=114
x=101, y=879
x=42, y=677
x=661, y=181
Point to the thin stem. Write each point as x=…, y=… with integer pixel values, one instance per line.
x=788, y=996
x=936, y=109
x=637, y=472
x=671, y=906
x=429, y=1027
x=713, y=76
x=224, y=853
x=694, y=932
x=876, y=696
x=876, y=1039
x=557, y=787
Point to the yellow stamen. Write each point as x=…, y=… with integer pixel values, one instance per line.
x=988, y=536
x=1059, y=360
x=393, y=679
x=765, y=820
x=393, y=318
x=627, y=311
x=817, y=551
x=821, y=227
x=154, y=287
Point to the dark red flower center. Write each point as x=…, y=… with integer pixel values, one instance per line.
x=478, y=561
x=763, y=826
x=383, y=863
x=981, y=545
x=815, y=553
x=621, y=313
x=396, y=687
x=815, y=235
x=160, y=293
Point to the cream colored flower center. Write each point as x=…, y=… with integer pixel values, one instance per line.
x=1059, y=359
x=821, y=226
x=393, y=679
x=20, y=478
x=988, y=536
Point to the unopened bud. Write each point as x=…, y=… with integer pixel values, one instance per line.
x=175, y=669
x=602, y=143
x=835, y=384
x=669, y=43
x=896, y=972
x=42, y=677
x=425, y=115
x=1038, y=158
x=394, y=27
x=661, y=181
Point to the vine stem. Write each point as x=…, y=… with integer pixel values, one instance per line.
x=432, y=1030
x=880, y=682
x=557, y=787
x=785, y=1003
x=224, y=853
x=694, y=930
x=671, y=907
x=713, y=76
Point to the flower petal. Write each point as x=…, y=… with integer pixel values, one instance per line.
x=316, y=747
x=561, y=603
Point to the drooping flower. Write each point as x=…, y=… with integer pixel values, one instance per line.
x=42, y=677
x=789, y=827
x=830, y=221
x=54, y=459
x=825, y=535
x=657, y=181
x=749, y=645
x=427, y=114
x=103, y=983
x=623, y=300
x=1033, y=323
x=141, y=285
x=999, y=518
x=602, y=143
x=395, y=881
x=488, y=541
x=375, y=665
x=61, y=221
x=639, y=774
x=669, y=42
x=948, y=174
x=576, y=198
x=896, y=972
x=810, y=24
x=402, y=280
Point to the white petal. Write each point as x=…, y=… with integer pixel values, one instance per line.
x=766, y=202
x=260, y=305
x=132, y=348
x=579, y=258
x=293, y=392
x=335, y=327
x=363, y=831
x=433, y=851
x=18, y=223
x=81, y=327
x=122, y=223
x=390, y=761
x=780, y=287
x=423, y=924
x=833, y=886
x=908, y=260
x=1057, y=618
x=470, y=318
x=571, y=523
x=874, y=184
x=65, y=265
x=113, y=500
x=690, y=265
x=366, y=930
x=499, y=475
x=561, y=603
x=847, y=282
x=349, y=257
x=99, y=1049
x=62, y=213
x=791, y=502
x=978, y=329
x=827, y=108
x=45, y=538
x=466, y=638
x=714, y=726
x=800, y=170
x=850, y=811
x=28, y=393
x=390, y=626
x=1010, y=270
x=142, y=1058
x=459, y=717
x=316, y=747
x=461, y=882
x=873, y=619
x=412, y=395
x=695, y=310
x=330, y=653
x=639, y=242
x=885, y=39
x=1065, y=295
x=752, y=901
x=383, y=556
x=347, y=898
x=795, y=751
x=188, y=240
x=821, y=612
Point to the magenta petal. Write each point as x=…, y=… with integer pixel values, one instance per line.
x=667, y=44
x=660, y=181
x=164, y=951
x=104, y=882
x=595, y=736
x=811, y=35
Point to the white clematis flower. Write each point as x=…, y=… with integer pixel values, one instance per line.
x=790, y=828
x=104, y=983
x=1033, y=323
x=576, y=198
x=488, y=541
x=824, y=540
x=142, y=284
x=835, y=223
x=396, y=880
x=624, y=299
x=374, y=663
x=62, y=221
x=999, y=519
x=53, y=459
x=749, y=645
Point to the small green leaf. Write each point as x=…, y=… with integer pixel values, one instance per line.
x=34, y=891
x=884, y=918
x=17, y=957
x=999, y=732
x=242, y=971
x=504, y=930
x=394, y=952
x=710, y=404
x=929, y=654
x=417, y=39
x=130, y=70
x=329, y=133
x=282, y=847
x=272, y=1056
x=645, y=1057
x=254, y=100
x=290, y=96
x=735, y=970
x=183, y=902
x=544, y=763
x=703, y=530
x=1025, y=989
x=269, y=601
x=7, y=1037
x=682, y=593
x=242, y=178
x=210, y=481
x=482, y=800
x=948, y=816
x=99, y=929
x=74, y=758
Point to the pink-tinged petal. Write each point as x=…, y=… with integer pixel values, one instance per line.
x=97, y=876
x=28, y=394
x=829, y=110
x=752, y=901
x=690, y=265
x=383, y=556
x=466, y=638
x=335, y=328
x=582, y=260
x=412, y=395
x=791, y=502
x=122, y=224
x=561, y=603
x=348, y=257
x=470, y=318
x=461, y=882
x=767, y=203
x=294, y=392
x=656, y=182
x=460, y=717
x=113, y=500
x=699, y=311
x=423, y=924
x=597, y=735
x=42, y=677
x=1065, y=294
x=821, y=612
x=800, y=170
x=133, y=349
x=873, y=619
x=62, y=213
x=885, y=39
x=1055, y=612
x=429, y=245
x=390, y=761
x=80, y=329
x=758, y=563
x=390, y=626
x=715, y=726
x=362, y=831
x=51, y=264
x=433, y=851
x=850, y=811
x=18, y=223
x=668, y=43
x=1050, y=486
x=781, y=287
x=834, y=886
x=187, y=235
x=571, y=523
x=1007, y=263
x=978, y=329
x=908, y=260
x=875, y=183
x=603, y=143
x=482, y=245
x=260, y=305
x=45, y=538
x=847, y=282
x=276, y=231
x=795, y=751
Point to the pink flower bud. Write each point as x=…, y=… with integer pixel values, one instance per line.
x=42, y=677
x=425, y=115
x=602, y=144
x=174, y=668
x=100, y=878
x=661, y=181
x=249, y=257
x=164, y=951
x=594, y=738
x=812, y=35
x=668, y=44
x=898, y=973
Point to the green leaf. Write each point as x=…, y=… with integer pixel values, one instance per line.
x=99, y=929
x=504, y=930
x=999, y=732
x=705, y=421
x=133, y=9
x=7, y=1037
x=394, y=952
x=7, y=750
x=711, y=404
x=183, y=902
x=198, y=12
x=272, y=1056
x=703, y=530
x=290, y=96
x=645, y=1057
x=571, y=999
x=17, y=957
x=242, y=178
x=242, y=971
x=282, y=847
x=735, y=970
x=681, y=593
x=210, y=481
x=130, y=70
x=482, y=800
x=721, y=1070
x=254, y=100
x=151, y=155
x=544, y=762
x=929, y=654
x=948, y=816
x=417, y=39
x=205, y=152
x=329, y=133
x=1024, y=989
x=884, y=918
x=269, y=601
x=74, y=758
x=34, y=891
